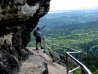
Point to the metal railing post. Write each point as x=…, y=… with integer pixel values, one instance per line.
x=84, y=69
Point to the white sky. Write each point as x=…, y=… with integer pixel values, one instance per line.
x=73, y=4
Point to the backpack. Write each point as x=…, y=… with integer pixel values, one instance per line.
x=34, y=32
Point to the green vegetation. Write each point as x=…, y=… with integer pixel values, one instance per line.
x=78, y=71
x=81, y=36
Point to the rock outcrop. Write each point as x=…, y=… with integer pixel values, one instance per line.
x=17, y=19
x=41, y=63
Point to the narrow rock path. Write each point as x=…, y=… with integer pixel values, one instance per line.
x=36, y=64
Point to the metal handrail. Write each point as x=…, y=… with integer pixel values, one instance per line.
x=85, y=70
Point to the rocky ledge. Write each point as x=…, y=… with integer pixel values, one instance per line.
x=41, y=63
x=17, y=19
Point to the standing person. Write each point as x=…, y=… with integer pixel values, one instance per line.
x=38, y=37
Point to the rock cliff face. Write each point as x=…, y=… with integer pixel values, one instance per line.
x=17, y=19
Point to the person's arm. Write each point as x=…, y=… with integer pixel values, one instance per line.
x=42, y=36
x=43, y=27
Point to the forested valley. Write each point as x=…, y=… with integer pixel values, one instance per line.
x=73, y=29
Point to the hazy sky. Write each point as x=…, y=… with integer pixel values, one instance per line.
x=73, y=4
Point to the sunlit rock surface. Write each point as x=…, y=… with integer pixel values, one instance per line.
x=17, y=19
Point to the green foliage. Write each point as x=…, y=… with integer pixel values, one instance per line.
x=77, y=71
x=81, y=36
x=96, y=72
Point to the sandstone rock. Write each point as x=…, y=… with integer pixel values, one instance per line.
x=36, y=64
x=17, y=19
x=9, y=64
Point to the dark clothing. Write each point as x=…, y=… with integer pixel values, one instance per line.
x=38, y=39
x=38, y=35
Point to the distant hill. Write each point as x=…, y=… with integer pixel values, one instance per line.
x=68, y=18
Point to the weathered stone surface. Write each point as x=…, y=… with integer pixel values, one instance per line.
x=17, y=19
x=36, y=64
x=41, y=63
x=8, y=64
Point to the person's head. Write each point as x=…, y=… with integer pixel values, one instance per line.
x=38, y=28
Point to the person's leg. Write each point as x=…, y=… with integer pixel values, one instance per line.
x=36, y=43
x=41, y=45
